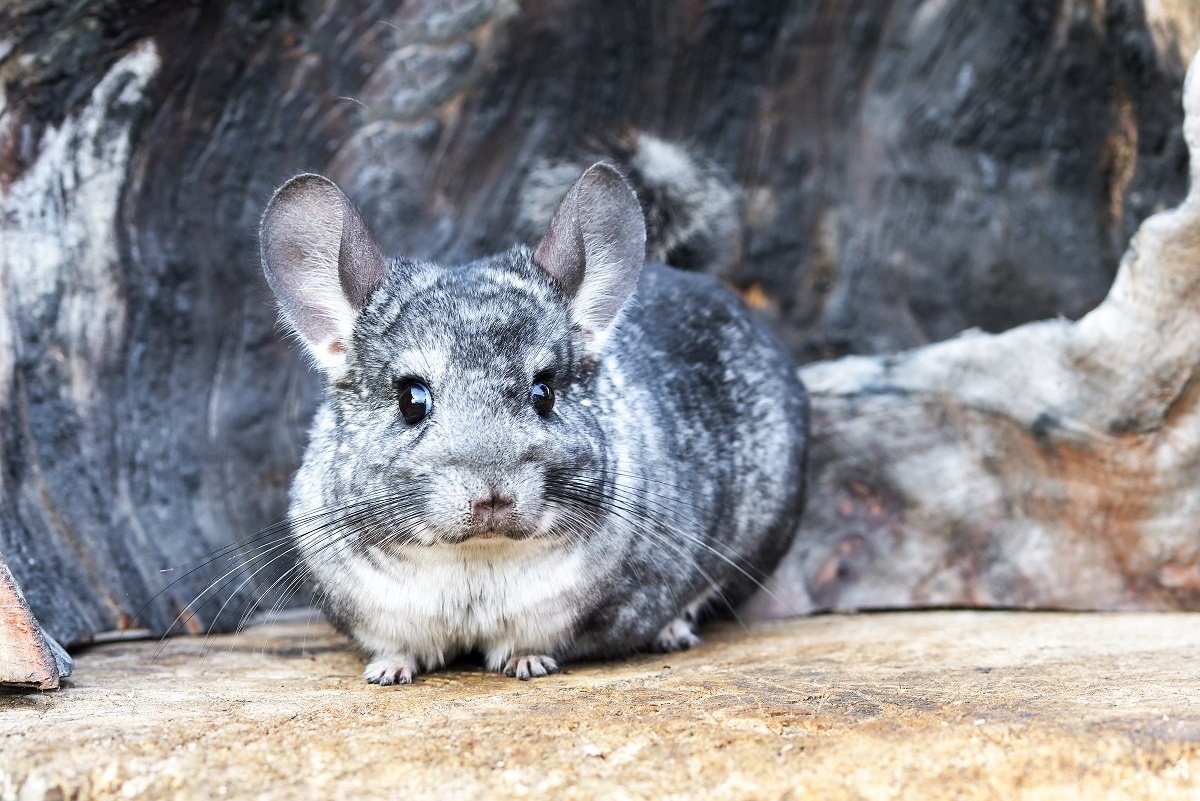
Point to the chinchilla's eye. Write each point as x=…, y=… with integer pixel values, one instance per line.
x=541, y=395
x=416, y=401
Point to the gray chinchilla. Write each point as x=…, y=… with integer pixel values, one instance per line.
x=545, y=455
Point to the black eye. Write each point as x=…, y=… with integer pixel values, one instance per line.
x=541, y=395
x=416, y=401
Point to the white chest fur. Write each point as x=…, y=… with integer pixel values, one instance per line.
x=502, y=598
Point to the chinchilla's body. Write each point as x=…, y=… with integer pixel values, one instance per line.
x=541, y=456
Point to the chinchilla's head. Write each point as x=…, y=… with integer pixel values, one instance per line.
x=460, y=396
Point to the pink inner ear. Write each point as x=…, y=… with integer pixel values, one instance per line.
x=320, y=261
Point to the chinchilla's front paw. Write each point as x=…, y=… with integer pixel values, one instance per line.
x=391, y=669
x=530, y=667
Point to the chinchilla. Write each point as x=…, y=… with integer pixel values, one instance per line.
x=550, y=454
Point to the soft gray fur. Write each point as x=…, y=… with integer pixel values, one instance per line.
x=692, y=208
x=666, y=481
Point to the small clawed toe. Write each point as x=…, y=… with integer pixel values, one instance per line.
x=530, y=667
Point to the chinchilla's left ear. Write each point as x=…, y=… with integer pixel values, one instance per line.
x=595, y=249
x=321, y=262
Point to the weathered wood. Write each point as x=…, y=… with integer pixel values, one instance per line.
x=1056, y=465
x=911, y=168
x=940, y=706
x=28, y=658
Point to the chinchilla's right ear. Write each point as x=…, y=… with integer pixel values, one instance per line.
x=321, y=262
x=594, y=250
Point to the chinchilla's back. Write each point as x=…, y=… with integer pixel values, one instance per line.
x=739, y=411
x=708, y=401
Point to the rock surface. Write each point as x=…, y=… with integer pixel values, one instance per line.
x=910, y=705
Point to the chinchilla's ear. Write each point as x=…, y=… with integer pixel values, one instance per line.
x=321, y=263
x=595, y=249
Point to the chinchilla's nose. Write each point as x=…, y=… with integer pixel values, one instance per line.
x=489, y=515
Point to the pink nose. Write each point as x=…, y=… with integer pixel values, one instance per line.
x=491, y=514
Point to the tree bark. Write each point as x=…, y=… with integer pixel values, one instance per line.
x=911, y=170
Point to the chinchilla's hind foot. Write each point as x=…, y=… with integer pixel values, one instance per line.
x=392, y=669
x=676, y=636
x=530, y=667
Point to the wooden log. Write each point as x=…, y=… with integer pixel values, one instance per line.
x=910, y=168
x=1056, y=465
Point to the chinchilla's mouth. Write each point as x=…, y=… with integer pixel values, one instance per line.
x=488, y=535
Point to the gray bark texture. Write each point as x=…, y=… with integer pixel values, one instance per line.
x=911, y=170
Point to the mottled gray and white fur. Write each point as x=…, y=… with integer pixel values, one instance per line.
x=692, y=208
x=664, y=479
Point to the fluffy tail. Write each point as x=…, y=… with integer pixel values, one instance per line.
x=692, y=207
